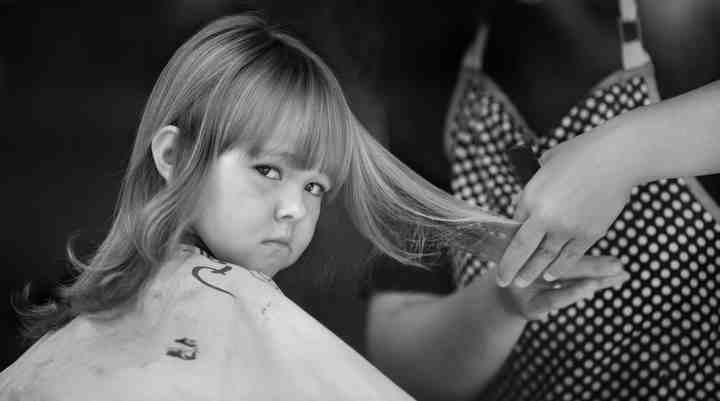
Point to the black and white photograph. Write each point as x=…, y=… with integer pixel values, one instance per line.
x=221, y=200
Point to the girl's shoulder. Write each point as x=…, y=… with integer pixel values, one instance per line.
x=177, y=338
x=204, y=330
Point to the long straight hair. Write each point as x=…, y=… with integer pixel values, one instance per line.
x=237, y=83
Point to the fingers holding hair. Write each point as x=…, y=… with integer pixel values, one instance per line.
x=521, y=248
x=545, y=254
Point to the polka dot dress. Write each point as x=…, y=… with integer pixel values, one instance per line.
x=656, y=338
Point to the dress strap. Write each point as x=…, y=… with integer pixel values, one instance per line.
x=474, y=54
x=633, y=52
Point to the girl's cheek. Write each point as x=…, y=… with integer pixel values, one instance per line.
x=261, y=187
x=314, y=204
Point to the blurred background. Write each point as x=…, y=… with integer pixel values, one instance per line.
x=73, y=82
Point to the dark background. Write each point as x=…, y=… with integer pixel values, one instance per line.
x=73, y=82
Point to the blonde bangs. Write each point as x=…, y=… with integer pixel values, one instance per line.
x=296, y=102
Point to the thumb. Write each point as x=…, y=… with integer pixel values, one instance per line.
x=547, y=155
x=521, y=212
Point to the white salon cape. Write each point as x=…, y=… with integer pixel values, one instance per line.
x=202, y=330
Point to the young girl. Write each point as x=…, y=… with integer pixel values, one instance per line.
x=245, y=136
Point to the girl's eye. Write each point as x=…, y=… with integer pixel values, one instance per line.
x=315, y=189
x=269, y=172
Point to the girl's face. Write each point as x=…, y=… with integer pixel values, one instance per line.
x=260, y=213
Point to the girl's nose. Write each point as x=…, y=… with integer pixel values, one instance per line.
x=290, y=206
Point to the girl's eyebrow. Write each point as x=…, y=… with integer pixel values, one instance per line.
x=290, y=158
x=293, y=160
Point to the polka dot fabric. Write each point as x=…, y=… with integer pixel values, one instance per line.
x=482, y=175
x=656, y=338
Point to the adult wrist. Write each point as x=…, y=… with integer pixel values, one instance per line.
x=628, y=151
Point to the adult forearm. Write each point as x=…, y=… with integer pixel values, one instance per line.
x=447, y=348
x=674, y=138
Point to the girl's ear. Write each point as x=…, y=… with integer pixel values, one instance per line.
x=164, y=150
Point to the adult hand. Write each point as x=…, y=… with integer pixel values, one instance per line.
x=590, y=274
x=567, y=206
